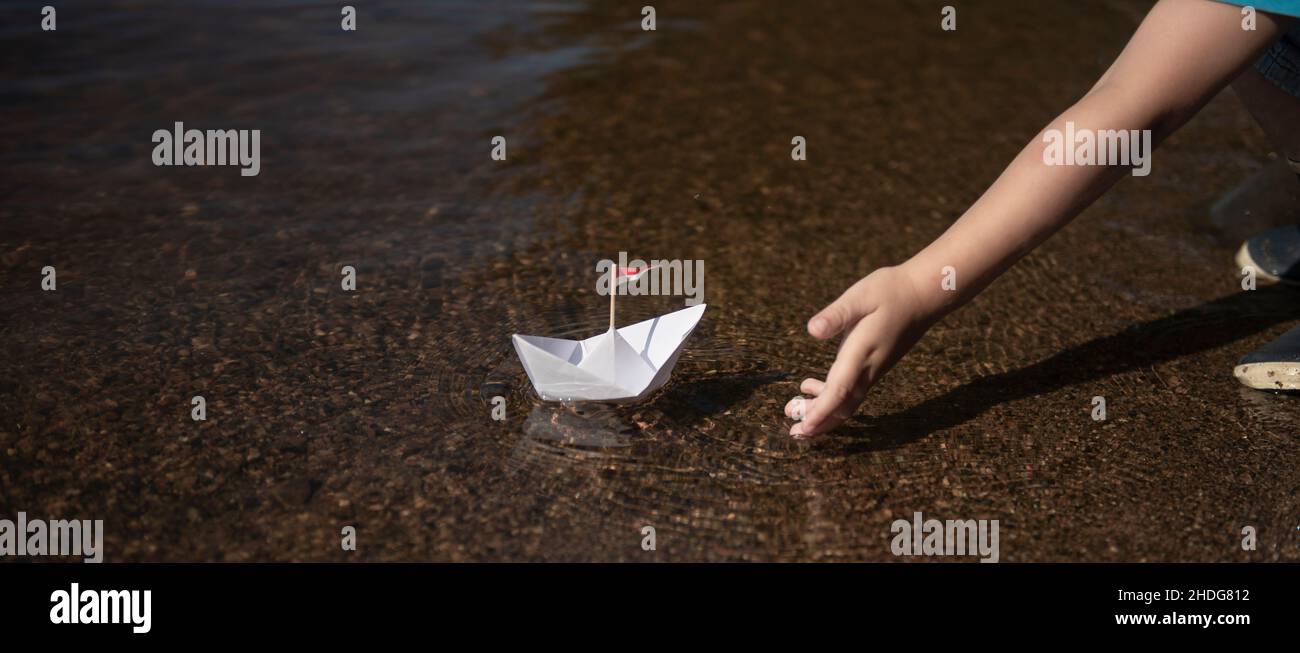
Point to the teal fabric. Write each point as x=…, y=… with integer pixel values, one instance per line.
x=1285, y=7
x=1280, y=64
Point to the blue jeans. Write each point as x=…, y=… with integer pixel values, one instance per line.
x=1281, y=62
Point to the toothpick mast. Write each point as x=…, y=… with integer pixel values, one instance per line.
x=613, y=291
x=613, y=285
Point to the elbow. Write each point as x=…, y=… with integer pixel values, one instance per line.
x=1162, y=115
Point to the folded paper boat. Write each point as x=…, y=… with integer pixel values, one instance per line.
x=622, y=365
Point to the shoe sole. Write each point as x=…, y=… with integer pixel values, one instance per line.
x=1244, y=260
x=1269, y=376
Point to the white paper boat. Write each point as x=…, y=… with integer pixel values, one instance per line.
x=622, y=365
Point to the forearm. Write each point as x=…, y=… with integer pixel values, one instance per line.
x=1027, y=203
x=1183, y=54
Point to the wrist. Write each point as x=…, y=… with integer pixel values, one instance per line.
x=935, y=288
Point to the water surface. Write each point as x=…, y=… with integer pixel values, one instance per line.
x=373, y=408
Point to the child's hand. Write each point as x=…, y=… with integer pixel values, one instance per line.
x=1158, y=82
x=882, y=316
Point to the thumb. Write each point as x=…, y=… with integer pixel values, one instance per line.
x=834, y=319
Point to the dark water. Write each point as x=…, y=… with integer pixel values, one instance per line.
x=372, y=409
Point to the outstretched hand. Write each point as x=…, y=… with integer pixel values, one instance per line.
x=881, y=316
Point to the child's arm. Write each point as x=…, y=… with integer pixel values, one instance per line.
x=1184, y=52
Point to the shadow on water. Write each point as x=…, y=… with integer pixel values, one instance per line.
x=713, y=395
x=1186, y=332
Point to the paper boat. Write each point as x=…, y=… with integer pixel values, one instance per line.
x=622, y=365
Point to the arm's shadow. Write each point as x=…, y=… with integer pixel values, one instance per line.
x=713, y=395
x=1208, y=326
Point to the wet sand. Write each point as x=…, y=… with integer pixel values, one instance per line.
x=372, y=409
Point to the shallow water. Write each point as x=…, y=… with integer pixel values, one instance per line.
x=373, y=408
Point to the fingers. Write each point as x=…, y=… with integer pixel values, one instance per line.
x=812, y=386
x=830, y=411
x=841, y=393
x=797, y=408
x=842, y=314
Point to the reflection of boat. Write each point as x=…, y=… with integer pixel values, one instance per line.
x=619, y=365
x=602, y=429
x=560, y=436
